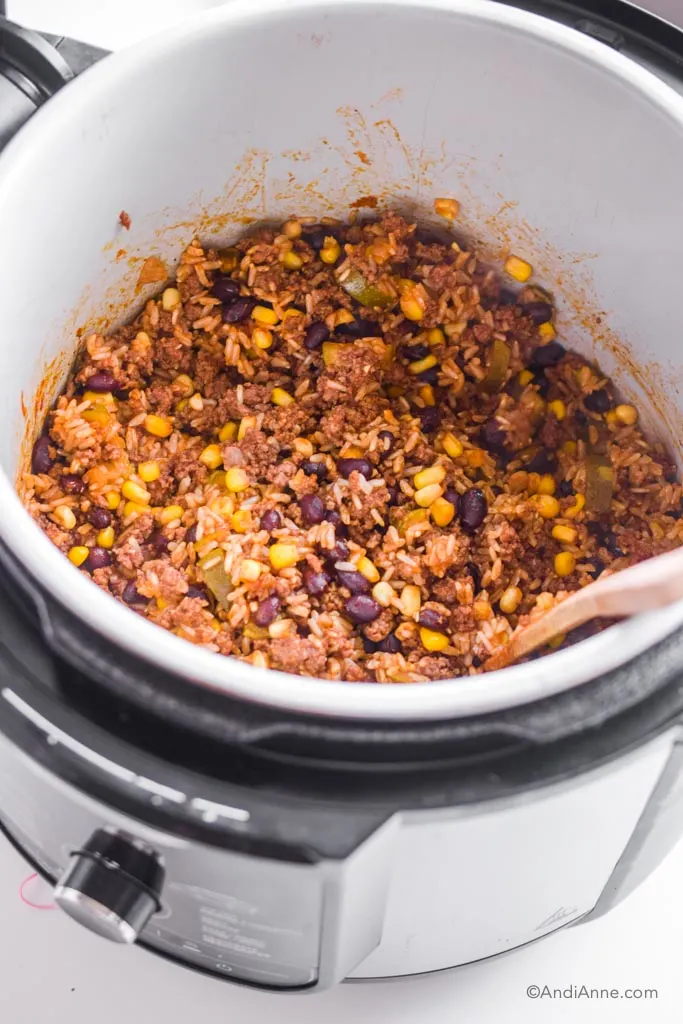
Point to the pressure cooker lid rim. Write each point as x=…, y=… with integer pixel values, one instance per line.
x=516, y=686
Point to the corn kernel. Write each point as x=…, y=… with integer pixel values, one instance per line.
x=106, y=537
x=420, y=365
x=262, y=337
x=611, y=418
x=435, y=336
x=184, y=384
x=283, y=556
x=100, y=399
x=532, y=482
x=302, y=446
x=182, y=404
x=142, y=341
x=451, y=445
x=418, y=515
x=482, y=610
x=170, y=299
x=158, y=426
x=384, y=594
x=447, y=208
x=579, y=502
x=525, y=377
x=564, y=563
x=291, y=228
x=98, y=414
x=149, y=471
x=518, y=268
x=557, y=641
x=134, y=508
x=162, y=603
x=250, y=570
x=333, y=351
x=77, y=555
x=564, y=534
x=241, y=521
x=168, y=514
x=196, y=402
x=558, y=409
x=330, y=251
x=548, y=507
x=569, y=447
x=280, y=628
x=410, y=601
x=413, y=310
x=547, y=332
x=546, y=485
x=236, y=479
x=211, y=456
x=432, y=475
x=113, y=500
x=279, y=396
x=433, y=641
x=510, y=600
x=627, y=415
x=427, y=395
x=426, y=496
x=258, y=659
x=223, y=506
x=264, y=315
x=442, y=512
x=246, y=423
x=368, y=569
x=228, y=432
x=292, y=261
x=229, y=259
x=136, y=492
x=64, y=517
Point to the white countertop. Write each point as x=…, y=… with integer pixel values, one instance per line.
x=53, y=971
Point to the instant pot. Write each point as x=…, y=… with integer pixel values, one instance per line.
x=276, y=830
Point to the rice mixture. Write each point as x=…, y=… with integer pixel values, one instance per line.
x=346, y=451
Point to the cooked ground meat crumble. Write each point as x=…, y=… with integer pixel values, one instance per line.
x=347, y=451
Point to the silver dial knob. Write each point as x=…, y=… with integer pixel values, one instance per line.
x=112, y=886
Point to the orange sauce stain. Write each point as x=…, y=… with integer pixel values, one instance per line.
x=363, y=157
x=365, y=201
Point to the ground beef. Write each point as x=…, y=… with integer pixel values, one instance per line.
x=298, y=654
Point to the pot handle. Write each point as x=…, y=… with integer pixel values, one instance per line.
x=33, y=67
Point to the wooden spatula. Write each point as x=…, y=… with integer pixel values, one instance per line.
x=641, y=588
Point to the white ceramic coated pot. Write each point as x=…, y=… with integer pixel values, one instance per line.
x=557, y=148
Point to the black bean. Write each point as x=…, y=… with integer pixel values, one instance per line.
x=450, y=494
x=332, y=516
x=72, y=484
x=354, y=581
x=413, y=352
x=394, y=494
x=158, y=541
x=312, y=509
x=360, y=609
x=507, y=297
x=318, y=469
x=598, y=566
x=472, y=510
x=315, y=235
x=547, y=355
x=40, y=456
x=430, y=417
x=492, y=437
x=564, y=489
x=598, y=401
x=430, y=376
x=99, y=518
x=271, y=520
x=340, y=551
x=542, y=383
x=196, y=590
x=540, y=312
x=348, y=466
x=388, y=441
x=316, y=334
x=102, y=382
x=360, y=327
x=131, y=595
x=97, y=559
x=191, y=534
x=238, y=310
x=473, y=571
x=597, y=529
x=267, y=611
x=390, y=645
x=369, y=646
x=544, y=461
x=431, y=619
x=580, y=417
x=316, y=583
x=225, y=289
x=612, y=545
